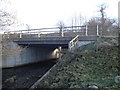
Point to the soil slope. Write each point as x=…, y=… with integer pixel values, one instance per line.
x=92, y=64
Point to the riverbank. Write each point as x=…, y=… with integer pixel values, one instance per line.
x=93, y=64
x=25, y=75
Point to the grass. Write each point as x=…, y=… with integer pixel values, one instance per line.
x=95, y=63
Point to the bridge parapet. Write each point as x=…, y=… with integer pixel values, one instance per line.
x=53, y=32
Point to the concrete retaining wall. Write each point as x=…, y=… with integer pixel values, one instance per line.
x=0, y=62
x=31, y=54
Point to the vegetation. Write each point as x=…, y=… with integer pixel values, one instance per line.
x=92, y=64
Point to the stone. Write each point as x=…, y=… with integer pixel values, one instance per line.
x=11, y=80
x=117, y=79
x=93, y=86
x=27, y=78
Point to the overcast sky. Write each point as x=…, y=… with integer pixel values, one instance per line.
x=46, y=13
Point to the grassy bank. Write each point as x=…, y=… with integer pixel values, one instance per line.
x=92, y=64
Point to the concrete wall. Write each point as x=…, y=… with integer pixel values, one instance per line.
x=27, y=55
x=0, y=62
x=81, y=43
x=31, y=54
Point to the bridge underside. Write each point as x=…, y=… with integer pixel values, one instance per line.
x=51, y=41
x=52, y=46
x=29, y=54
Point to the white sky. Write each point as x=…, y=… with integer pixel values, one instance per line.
x=46, y=13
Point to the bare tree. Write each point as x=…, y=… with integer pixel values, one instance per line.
x=106, y=25
x=6, y=18
x=61, y=25
x=81, y=20
x=103, y=14
x=77, y=20
x=109, y=27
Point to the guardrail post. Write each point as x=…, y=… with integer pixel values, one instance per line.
x=86, y=32
x=21, y=34
x=97, y=31
x=38, y=34
x=8, y=35
x=61, y=32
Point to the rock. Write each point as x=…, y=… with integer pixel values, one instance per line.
x=27, y=78
x=93, y=86
x=10, y=81
x=117, y=79
x=86, y=51
x=83, y=58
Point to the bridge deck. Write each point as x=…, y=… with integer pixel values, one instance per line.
x=52, y=40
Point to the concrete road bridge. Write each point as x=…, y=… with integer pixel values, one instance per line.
x=45, y=43
x=51, y=41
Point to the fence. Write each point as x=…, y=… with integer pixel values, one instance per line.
x=56, y=32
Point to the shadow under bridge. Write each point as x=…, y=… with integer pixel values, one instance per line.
x=47, y=42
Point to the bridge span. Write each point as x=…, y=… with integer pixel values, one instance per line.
x=51, y=41
x=40, y=48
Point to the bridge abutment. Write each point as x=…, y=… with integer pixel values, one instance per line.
x=27, y=54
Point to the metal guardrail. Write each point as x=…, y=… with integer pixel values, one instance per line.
x=55, y=31
x=73, y=43
x=31, y=32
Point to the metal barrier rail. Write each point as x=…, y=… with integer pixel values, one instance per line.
x=56, y=31
x=73, y=43
x=32, y=32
